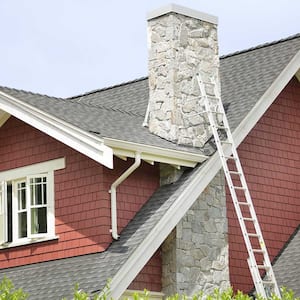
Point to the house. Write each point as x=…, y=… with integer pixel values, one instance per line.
x=125, y=183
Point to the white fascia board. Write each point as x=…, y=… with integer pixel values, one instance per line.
x=68, y=134
x=153, y=153
x=4, y=116
x=266, y=100
x=201, y=179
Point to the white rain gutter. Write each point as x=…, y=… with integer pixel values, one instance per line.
x=113, y=194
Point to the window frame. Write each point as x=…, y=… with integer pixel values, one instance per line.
x=21, y=175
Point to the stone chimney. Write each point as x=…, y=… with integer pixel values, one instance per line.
x=182, y=43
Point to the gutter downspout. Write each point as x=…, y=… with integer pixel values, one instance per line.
x=113, y=194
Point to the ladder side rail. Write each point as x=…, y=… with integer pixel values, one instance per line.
x=254, y=270
x=258, y=231
x=248, y=197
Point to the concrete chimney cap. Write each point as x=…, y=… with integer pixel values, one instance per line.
x=174, y=8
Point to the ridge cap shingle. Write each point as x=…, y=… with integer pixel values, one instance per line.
x=3, y=88
x=108, y=87
x=267, y=44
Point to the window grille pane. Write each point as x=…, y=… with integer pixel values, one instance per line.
x=9, y=213
x=21, y=196
x=38, y=190
x=1, y=201
x=22, y=224
x=39, y=220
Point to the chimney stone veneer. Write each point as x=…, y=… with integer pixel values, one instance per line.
x=182, y=43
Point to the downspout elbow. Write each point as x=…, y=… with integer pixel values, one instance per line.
x=113, y=194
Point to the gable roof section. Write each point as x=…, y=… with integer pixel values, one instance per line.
x=28, y=111
x=287, y=264
x=96, y=124
x=250, y=79
x=55, y=279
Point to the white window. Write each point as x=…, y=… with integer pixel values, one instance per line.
x=27, y=203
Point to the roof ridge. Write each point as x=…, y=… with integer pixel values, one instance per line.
x=130, y=113
x=267, y=44
x=29, y=92
x=108, y=87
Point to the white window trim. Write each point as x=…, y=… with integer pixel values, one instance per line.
x=40, y=169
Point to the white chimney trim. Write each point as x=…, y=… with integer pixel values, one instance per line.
x=174, y=8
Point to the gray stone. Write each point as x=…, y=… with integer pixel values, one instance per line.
x=199, y=251
x=180, y=47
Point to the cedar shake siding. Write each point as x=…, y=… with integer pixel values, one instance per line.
x=150, y=276
x=270, y=157
x=82, y=199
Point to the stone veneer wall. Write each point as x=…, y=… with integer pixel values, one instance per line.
x=195, y=255
x=180, y=47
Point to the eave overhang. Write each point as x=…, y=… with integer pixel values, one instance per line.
x=151, y=154
x=80, y=140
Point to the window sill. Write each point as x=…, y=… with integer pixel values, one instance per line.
x=28, y=242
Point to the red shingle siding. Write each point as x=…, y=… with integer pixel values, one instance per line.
x=82, y=200
x=270, y=157
x=150, y=276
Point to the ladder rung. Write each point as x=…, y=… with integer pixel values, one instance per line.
x=226, y=142
x=253, y=235
x=239, y=188
x=249, y=219
x=235, y=173
x=263, y=267
x=229, y=157
x=258, y=251
x=244, y=203
x=268, y=282
x=222, y=127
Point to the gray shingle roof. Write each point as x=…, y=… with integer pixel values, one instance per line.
x=91, y=271
x=245, y=76
x=287, y=265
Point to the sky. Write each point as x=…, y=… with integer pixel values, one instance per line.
x=67, y=47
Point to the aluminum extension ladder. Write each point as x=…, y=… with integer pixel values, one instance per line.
x=258, y=261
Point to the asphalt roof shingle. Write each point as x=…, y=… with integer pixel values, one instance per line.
x=287, y=265
x=245, y=76
x=92, y=271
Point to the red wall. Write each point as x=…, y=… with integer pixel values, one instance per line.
x=270, y=157
x=82, y=200
x=150, y=276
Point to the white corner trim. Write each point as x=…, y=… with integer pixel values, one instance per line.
x=154, y=153
x=43, y=167
x=201, y=179
x=66, y=133
x=174, y=8
x=267, y=99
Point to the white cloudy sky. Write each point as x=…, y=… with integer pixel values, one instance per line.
x=66, y=47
